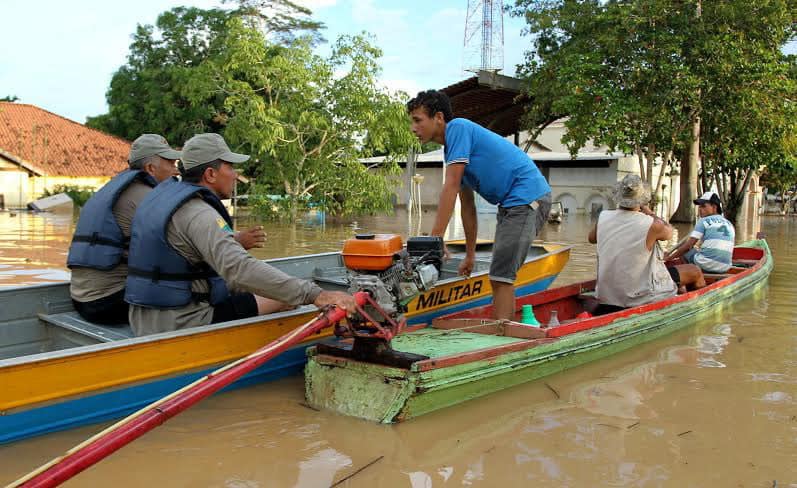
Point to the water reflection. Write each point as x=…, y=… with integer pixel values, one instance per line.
x=660, y=414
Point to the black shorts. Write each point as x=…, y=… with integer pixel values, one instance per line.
x=236, y=306
x=674, y=274
x=110, y=310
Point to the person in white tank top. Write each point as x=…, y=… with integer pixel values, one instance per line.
x=631, y=269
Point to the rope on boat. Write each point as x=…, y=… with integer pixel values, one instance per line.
x=137, y=424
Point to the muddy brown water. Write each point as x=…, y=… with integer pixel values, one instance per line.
x=713, y=404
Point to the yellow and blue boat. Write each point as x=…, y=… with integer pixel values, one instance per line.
x=58, y=371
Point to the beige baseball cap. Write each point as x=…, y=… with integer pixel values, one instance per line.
x=147, y=145
x=205, y=148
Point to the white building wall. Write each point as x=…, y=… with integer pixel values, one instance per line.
x=430, y=186
x=14, y=188
x=579, y=188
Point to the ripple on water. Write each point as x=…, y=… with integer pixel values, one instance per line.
x=661, y=414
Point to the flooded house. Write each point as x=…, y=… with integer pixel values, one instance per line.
x=40, y=150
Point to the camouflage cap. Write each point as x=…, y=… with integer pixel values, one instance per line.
x=206, y=148
x=147, y=145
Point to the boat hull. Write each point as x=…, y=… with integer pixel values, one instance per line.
x=64, y=389
x=465, y=365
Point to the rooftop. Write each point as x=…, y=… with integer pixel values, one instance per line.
x=50, y=145
x=491, y=100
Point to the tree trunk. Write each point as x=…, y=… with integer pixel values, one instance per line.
x=665, y=164
x=736, y=195
x=686, y=208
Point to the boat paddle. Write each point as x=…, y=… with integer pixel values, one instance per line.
x=137, y=424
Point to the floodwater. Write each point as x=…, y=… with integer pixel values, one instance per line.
x=714, y=404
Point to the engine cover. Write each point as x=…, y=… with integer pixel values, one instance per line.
x=371, y=252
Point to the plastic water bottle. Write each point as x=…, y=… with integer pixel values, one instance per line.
x=527, y=316
x=554, y=320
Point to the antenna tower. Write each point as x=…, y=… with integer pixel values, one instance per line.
x=483, y=47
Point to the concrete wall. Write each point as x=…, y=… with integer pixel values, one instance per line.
x=580, y=188
x=430, y=186
x=13, y=188
x=586, y=190
x=18, y=187
x=38, y=184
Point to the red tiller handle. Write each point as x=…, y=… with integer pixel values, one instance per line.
x=134, y=426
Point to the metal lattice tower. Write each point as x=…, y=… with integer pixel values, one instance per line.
x=483, y=48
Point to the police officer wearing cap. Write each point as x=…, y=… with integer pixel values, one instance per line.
x=98, y=253
x=186, y=267
x=715, y=234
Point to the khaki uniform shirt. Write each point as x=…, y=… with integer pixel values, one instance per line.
x=89, y=284
x=200, y=234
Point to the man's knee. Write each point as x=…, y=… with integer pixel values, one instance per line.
x=691, y=276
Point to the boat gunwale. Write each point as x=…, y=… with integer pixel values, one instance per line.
x=754, y=275
x=32, y=359
x=611, y=322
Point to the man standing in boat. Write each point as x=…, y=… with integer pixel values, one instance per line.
x=631, y=270
x=187, y=269
x=97, y=255
x=480, y=160
x=715, y=233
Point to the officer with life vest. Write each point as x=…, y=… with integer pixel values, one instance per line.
x=97, y=255
x=186, y=268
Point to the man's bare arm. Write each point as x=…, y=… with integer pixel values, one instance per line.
x=681, y=250
x=448, y=197
x=470, y=224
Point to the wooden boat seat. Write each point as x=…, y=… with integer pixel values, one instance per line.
x=74, y=322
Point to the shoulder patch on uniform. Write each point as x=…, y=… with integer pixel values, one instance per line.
x=223, y=224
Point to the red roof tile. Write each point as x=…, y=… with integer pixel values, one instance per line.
x=58, y=146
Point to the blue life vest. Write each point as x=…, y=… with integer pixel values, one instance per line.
x=158, y=276
x=98, y=242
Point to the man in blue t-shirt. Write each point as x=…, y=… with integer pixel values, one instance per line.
x=479, y=160
x=716, y=235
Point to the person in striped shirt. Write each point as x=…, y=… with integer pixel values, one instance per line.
x=715, y=234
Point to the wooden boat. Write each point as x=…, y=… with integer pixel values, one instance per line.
x=468, y=355
x=58, y=371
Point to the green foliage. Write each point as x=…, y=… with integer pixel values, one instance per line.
x=9, y=98
x=244, y=73
x=147, y=94
x=636, y=76
x=79, y=194
x=307, y=120
x=781, y=179
x=280, y=19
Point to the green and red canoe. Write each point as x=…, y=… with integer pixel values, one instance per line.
x=469, y=355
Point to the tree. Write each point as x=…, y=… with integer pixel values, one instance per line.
x=782, y=180
x=9, y=98
x=616, y=72
x=648, y=78
x=147, y=94
x=279, y=19
x=308, y=120
x=750, y=97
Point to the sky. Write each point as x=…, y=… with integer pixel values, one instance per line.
x=60, y=55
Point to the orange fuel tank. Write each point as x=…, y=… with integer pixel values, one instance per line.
x=371, y=252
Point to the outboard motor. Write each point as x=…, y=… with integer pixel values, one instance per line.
x=392, y=276
x=379, y=264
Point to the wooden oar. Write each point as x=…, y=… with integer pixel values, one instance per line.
x=134, y=426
